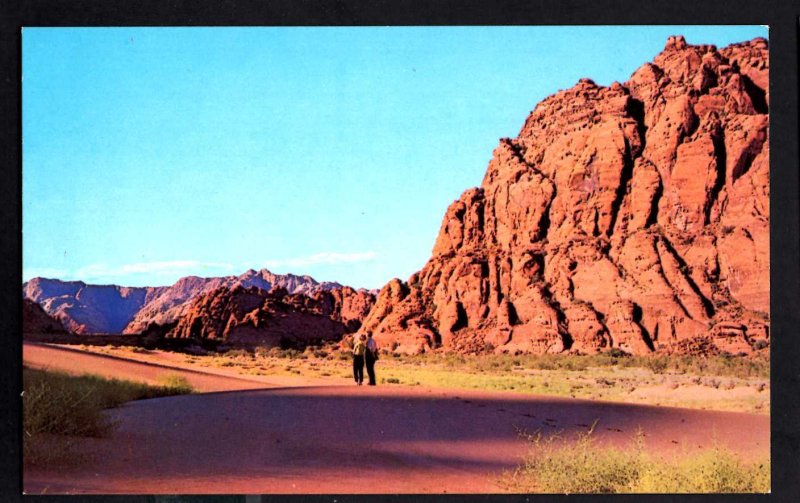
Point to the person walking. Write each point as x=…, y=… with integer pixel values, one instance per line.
x=359, y=348
x=370, y=357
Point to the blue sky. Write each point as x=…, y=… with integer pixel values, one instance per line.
x=155, y=153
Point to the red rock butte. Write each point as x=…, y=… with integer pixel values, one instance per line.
x=251, y=316
x=634, y=216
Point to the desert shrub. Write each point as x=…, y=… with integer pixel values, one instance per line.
x=320, y=353
x=392, y=380
x=760, y=344
x=55, y=403
x=582, y=466
x=194, y=349
x=262, y=352
x=616, y=353
x=454, y=359
x=575, y=362
x=175, y=384
x=544, y=364
x=290, y=353
x=715, y=470
x=239, y=353
x=656, y=364
x=604, y=382
x=756, y=365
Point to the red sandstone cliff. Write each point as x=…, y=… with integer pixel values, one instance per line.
x=633, y=216
x=255, y=317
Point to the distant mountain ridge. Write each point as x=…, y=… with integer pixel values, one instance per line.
x=90, y=309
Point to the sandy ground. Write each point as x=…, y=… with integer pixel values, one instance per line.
x=154, y=367
x=304, y=435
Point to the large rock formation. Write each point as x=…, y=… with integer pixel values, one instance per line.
x=173, y=302
x=35, y=321
x=633, y=216
x=112, y=309
x=251, y=316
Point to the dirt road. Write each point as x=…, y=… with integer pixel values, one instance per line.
x=349, y=439
x=202, y=379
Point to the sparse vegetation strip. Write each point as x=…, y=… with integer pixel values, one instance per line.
x=717, y=382
x=583, y=466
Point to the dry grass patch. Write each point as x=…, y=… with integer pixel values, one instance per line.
x=583, y=466
x=55, y=404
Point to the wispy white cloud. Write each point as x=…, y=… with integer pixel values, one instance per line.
x=162, y=268
x=322, y=258
x=171, y=270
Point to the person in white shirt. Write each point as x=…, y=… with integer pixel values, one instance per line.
x=370, y=356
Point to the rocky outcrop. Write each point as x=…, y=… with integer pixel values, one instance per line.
x=173, y=302
x=251, y=316
x=633, y=216
x=112, y=309
x=36, y=321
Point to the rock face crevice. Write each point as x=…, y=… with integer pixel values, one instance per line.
x=633, y=216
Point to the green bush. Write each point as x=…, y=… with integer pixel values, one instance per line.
x=175, y=384
x=585, y=467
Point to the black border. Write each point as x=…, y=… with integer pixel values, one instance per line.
x=781, y=16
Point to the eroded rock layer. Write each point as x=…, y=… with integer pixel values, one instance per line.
x=251, y=316
x=634, y=216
